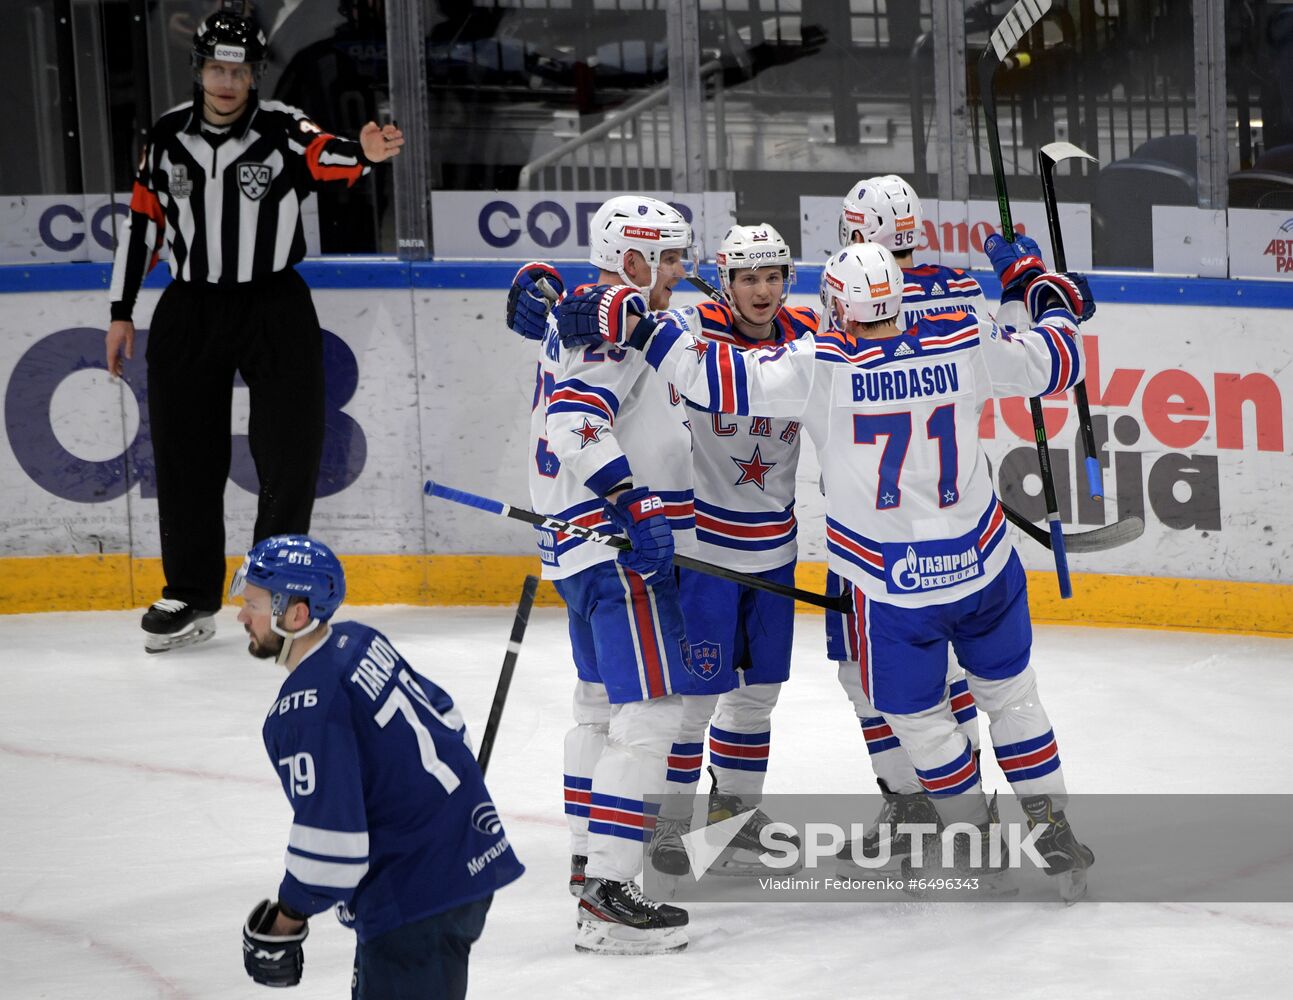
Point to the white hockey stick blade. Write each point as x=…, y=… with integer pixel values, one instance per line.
x=1019, y=20
x=1108, y=537
x=1056, y=151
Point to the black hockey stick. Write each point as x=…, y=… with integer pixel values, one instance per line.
x=1019, y=20
x=1096, y=540
x=1047, y=157
x=842, y=604
x=509, y=667
x=698, y=282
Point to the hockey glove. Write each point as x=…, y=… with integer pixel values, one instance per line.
x=1016, y=263
x=535, y=289
x=639, y=513
x=1063, y=290
x=601, y=314
x=272, y=960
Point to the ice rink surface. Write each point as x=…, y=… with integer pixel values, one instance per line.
x=140, y=820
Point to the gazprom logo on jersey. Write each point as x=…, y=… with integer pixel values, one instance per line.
x=906, y=383
x=930, y=565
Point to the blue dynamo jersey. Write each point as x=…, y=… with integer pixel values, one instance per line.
x=392, y=821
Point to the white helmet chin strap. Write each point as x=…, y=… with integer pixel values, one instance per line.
x=288, y=637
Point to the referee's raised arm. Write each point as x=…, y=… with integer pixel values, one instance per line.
x=221, y=185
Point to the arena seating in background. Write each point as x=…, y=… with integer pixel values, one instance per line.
x=1161, y=171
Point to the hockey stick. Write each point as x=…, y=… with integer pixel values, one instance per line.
x=1096, y=540
x=1047, y=157
x=433, y=489
x=697, y=281
x=509, y=667
x=1019, y=20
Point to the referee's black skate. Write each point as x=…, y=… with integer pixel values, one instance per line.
x=171, y=624
x=615, y=918
x=1066, y=859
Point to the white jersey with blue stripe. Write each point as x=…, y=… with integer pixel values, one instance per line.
x=602, y=416
x=911, y=515
x=745, y=466
x=391, y=819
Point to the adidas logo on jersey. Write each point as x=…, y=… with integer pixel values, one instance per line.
x=904, y=350
x=936, y=289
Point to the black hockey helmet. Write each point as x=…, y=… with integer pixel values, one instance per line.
x=230, y=35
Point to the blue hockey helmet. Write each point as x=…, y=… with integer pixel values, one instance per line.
x=294, y=566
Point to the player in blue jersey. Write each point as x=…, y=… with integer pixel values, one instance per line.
x=392, y=824
x=912, y=520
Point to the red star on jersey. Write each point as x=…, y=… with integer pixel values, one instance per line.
x=700, y=347
x=588, y=434
x=754, y=470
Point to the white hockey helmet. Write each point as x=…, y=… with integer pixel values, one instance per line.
x=649, y=226
x=866, y=280
x=882, y=210
x=749, y=247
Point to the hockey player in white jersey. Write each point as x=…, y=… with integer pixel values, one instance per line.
x=610, y=450
x=739, y=638
x=887, y=211
x=912, y=520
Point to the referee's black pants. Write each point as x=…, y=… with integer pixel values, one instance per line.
x=200, y=335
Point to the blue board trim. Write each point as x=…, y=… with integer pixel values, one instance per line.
x=384, y=272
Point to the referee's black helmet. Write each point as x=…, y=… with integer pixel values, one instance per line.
x=229, y=35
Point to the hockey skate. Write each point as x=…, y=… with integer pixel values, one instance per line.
x=171, y=624
x=1067, y=860
x=741, y=857
x=578, y=863
x=883, y=834
x=972, y=878
x=615, y=918
x=667, y=853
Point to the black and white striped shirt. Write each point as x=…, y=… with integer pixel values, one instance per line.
x=227, y=201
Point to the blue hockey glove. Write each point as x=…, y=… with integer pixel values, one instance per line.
x=1016, y=263
x=272, y=960
x=535, y=288
x=600, y=315
x=639, y=513
x=1065, y=290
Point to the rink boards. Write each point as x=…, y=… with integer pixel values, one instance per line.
x=1189, y=380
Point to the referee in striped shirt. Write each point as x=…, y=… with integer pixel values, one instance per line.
x=221, y=183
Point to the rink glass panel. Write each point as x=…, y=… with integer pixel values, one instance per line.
x=1183, y=102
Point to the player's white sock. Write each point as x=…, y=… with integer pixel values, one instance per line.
x=687, y=753
x=944, y=762
x=1022, y=737
x=631, y=767
x=963, y=707
x=739, y=739
x=584, y=746
x=888, y=758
